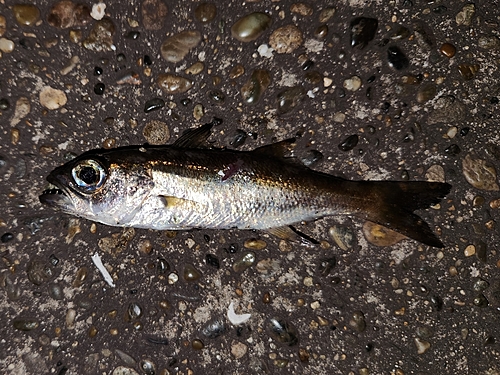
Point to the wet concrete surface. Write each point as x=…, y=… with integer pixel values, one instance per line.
x=401, y=90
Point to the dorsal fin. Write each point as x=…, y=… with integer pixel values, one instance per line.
x=196, y=137
x=278, y=149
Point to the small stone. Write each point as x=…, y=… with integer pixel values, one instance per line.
x=326, y=14
x=495, y=203
x=39, y=272
x=25, y=324
x=321, y=32
x=122, y=370
x=52, y=98
x=397, y=59
x=426, y=92
x=349, y=143
x=99, y=88
x=448, y=50
x=75, y=36
x=343, y=236
x=26, y=14
x=244, y=261
x=134, y=311
x=238, y=349
x=250, y=27
x=65, y=14
x=153, y=14
x=237, y=71
x=490, y=42
x=422, y=345
x=255, y=244
x=175, y=48
x=205, y=12
x=6, y=45
x=283, y=332
x=447, y=110
x=190, y=273
x=253, y=89
x=172, y=278
x=198, y=111
x=379, y=235
x=154, y=104
x=468, y=71
x=301, y=9
x=311, y=157
x=289, y=99
x=197, y=344
x=156, y=132
x=363, y=31
x=80, y=277
x=173, y=84
x=470, y=250
x=479, y=173
x=286, y=39
x=357, y=321
x=435, y=173
x=98, y=11
x=464, y=17
x=353, y=83
x=196, y=68
x=100, y=38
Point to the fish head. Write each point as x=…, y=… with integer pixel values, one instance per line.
x=99, y=187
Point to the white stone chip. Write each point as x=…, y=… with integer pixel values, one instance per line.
x=234, y=318
x=98, y=11
x=265, y=51
x=98, y=263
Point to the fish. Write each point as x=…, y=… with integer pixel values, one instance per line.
x=188, y=185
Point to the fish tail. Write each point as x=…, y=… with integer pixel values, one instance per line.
x=391, y=204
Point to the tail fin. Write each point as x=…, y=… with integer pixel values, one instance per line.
x=392, y=205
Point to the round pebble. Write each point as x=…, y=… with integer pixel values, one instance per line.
x=479, y=173
x=363, y=30
x=190, y=273
x=448, y=50
x=397, y=59
x=154, y=104
x=254, y=88
x=250, y=27
x=6, y=45
x=197, y=344
x=26, y=14
x=286, y=39
x=154, y=13
x=175, y=48
x=99, y=88
x=255, y=244
x=156, y=132
x=353, y=83
x=173, y=84
x=244, y=261
x=66, y=14
x=205, y=12
x=100, y=38
x=289, y=99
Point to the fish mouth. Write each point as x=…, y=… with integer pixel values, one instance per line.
x=56, y=196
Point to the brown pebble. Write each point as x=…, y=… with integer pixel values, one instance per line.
x=113, y=331
x=468, y=71
x=93, y=331
x=495, y=203
x=237, y=71
x=490, y=224
x=190, y=273
x=255, y=244
x=26, y=14
x=266, y=298
x=153, y=14
x=197, y=344
x=448, y=50
x=109, y=143
x=286, y=39
x=15, y=134
x=301, y=9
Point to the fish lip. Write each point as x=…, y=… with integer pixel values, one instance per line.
x=57, y=197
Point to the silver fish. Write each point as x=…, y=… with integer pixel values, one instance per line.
x=184, y=185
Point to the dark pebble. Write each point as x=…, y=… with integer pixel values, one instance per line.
x=147, y=60
x=326, y=265
x=481, y=251
x=213, y=329
x=134, y=311
x=185, y=101
x=233, y=248
x=154, y=104
x=464, y=131
x=6, y=237
x=349, y=143
x=437, y=303
x=371, y=79
x=120, y=57
x=39, y=272
x=308, y=65
x=480, y=301
x=157, y=340
x=440, y=9
x=99, y=88
x=53, y=260
x=217, y=96
x=212, y=260
x=311, y=157
x=23, y=324
x=239, y=138
x=289, y=99
x=363, y=31
x=452, y=150
x=4, y=104
x=397, y=59
x=134, y=35
x=97, y=71
x=283, y=332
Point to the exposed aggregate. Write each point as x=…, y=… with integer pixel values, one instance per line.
x=399, y=90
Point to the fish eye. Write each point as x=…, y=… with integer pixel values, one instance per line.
x=89, y=175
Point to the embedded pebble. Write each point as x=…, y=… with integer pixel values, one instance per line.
x=479, y=173
x=154, y=13
x=357, y=321
x=6, y=45
x=26, y=14
x=118, y=242
x=422, y=345
x=349, y=143
x=490, y=42
x=236, y=71
x=426, y=92
x=100, y=38
x=352, y=84
x=286, y=39
x=238, y=349
x=80, y=277
x=52, y=98
x=448, y=50
x=253, y=89
x=122, y=370
x=70, y=318
x=396, y=58
x=214, y=328
x=173, y=84
x=250, y=27
x=301, y=9
x=379, y=235
x=205, y=12
x=363, y=31
x=3, y=25
x=464, y=17
x=56, y=291
x=134, y=311
x=468, y=71
x=196, y=68
x=198, y=111
x=126, y=358
x=268, y=267
x=435, y=173
x=39, y=272
x=156, y=132
x=175, y=48
x=311, y=158
x=25, y=324
x=343, y=236
x=154, y=104
x=283, y=332
x=326, y=14
x=447, y=110
x=255, y=244
x=65, y=14
x=326, y=265
x=197, y=344
x=190, y=273
x=289, y=99
x=244, y=261
x=98, y=11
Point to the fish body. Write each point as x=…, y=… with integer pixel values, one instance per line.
x=183, y=186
